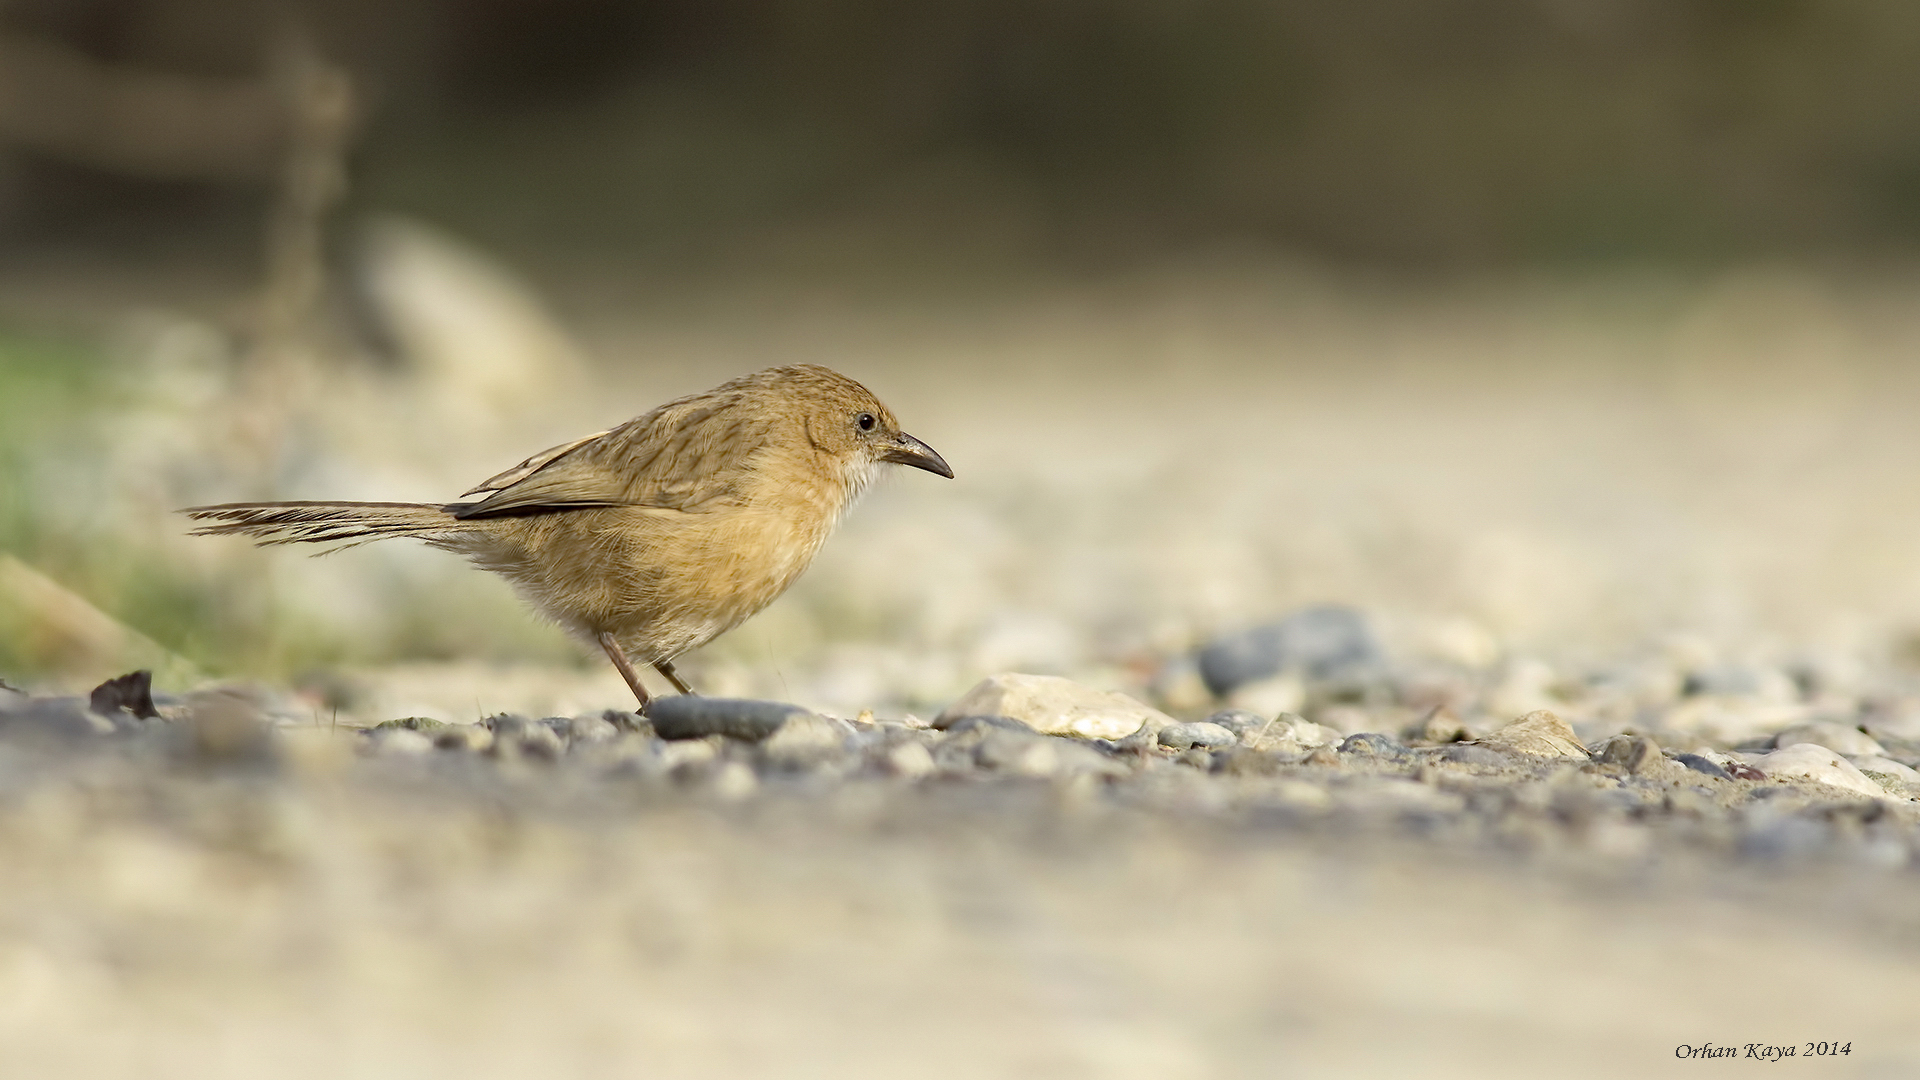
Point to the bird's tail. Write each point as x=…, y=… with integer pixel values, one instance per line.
x=347, y=524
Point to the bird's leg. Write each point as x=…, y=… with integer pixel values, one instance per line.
x=665, y=667
x=619, y=658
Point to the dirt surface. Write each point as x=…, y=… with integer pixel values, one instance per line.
x=1673, y=514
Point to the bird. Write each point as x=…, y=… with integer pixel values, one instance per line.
x=654, y=537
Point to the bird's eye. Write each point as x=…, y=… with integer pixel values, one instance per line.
x=865, y=420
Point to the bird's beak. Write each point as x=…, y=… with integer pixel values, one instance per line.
x=907, y=450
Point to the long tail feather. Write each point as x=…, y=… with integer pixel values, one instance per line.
x=346, y=524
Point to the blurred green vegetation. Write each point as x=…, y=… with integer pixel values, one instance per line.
x=58, y=392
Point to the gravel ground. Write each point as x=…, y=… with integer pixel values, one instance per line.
x=211, y=891
x=1504, y=682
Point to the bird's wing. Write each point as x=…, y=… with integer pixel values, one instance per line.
x=534, y=464
x=686, y=455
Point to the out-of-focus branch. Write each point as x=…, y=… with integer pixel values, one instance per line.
x=137, y=120
x=316, y=98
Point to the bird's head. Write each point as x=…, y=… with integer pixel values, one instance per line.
x=842, y=419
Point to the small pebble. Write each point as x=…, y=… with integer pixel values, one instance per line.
x=1702, y=765
x=1369, y=744
x=1203, y=735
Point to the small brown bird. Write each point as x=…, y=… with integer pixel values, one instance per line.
x=655, y=537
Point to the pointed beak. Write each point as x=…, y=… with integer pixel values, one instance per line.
x=907, y=450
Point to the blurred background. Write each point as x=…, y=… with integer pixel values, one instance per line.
x=1572, y=328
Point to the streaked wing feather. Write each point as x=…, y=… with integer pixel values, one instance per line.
x=530, y=466
x=684, y=455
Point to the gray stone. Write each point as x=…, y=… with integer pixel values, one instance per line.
x=1202, y=734
x=1055, y=706
x=962, y=725
x=690, y=717
x=1634, y=753
x=1702, y=765
x=1369, y=744
x=1241, y=722
x=1318, y=642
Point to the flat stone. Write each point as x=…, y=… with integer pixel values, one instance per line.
x=1317, y=642
x=688, y=716
x=1837, y=737
x=1202, y=734
x=1055, y=706
x=1818, y=764
x=1539, y=733
x=1702, y=765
